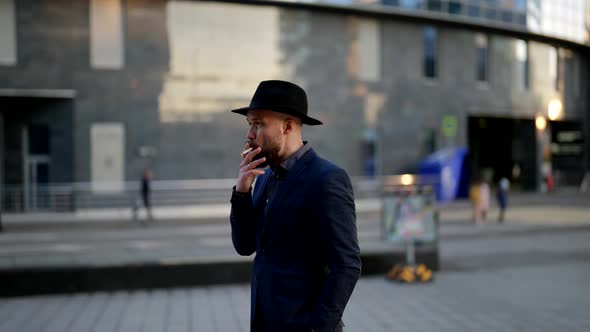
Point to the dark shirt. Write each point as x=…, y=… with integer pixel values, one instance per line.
x=280, y=171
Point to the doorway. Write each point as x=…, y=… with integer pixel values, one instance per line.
x=36, y=162
x=503, y=147
x=38, y=181
x=37, y=150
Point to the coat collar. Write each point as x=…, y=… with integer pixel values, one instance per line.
x=290, y=176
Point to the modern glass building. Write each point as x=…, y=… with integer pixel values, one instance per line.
x=94, y=91
x=558, y=18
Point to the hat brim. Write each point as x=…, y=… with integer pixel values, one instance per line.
x=304, y=118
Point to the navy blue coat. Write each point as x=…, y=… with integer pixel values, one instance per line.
x=307, y=256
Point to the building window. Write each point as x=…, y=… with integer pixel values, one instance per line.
x=106, y=34
x=522, y=59
x=455, y=7
x=554, y=67
x=507, y=16
x=434, y=5
x=411, y=4
x=520, y=6
x=481, y=49
x=430, y=51
x=7, y=33
x=473, y=11
x=369, y=51
x=490, y=14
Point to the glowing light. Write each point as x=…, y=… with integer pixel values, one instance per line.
x=540, y=122
x=554, y=109
x=407, y=179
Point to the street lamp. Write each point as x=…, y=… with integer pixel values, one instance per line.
x=540, y=122
x=554, y=109
x=407, y=179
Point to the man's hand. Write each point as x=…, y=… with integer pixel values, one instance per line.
x=248, y=169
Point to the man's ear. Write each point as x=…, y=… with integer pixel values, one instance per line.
x=288, y=125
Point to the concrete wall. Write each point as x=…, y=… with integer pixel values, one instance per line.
x=168, y=98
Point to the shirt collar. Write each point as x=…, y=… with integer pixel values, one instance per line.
x=288, y=164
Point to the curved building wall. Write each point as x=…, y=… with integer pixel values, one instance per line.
x=185, y=64
x=558, y=18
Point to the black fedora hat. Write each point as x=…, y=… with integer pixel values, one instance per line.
x=280, y=96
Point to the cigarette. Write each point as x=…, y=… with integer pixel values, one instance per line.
x=247, y=151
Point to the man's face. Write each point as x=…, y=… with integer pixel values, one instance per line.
x=265, y=131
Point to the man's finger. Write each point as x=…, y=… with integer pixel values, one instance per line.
x=253, y=164
x=256, y=172
x=257, y=162
x=249, y=155
x=245, y=152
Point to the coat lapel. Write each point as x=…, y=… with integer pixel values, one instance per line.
x=291, y=180
x=260, y=187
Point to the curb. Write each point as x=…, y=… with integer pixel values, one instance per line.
x=57, y=280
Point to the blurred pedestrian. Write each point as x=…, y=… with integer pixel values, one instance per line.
x=502, y=197
x=145, y=189
x=479, y=194
x=299, y=219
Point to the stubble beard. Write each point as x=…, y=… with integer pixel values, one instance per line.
x=269, y=152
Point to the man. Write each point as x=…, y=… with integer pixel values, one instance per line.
x=299, y=219
x=146, y=179
x=146, y=191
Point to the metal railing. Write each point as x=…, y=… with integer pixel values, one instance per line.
x=67, y=197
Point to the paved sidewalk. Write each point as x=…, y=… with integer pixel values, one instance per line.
x=174, y=241
x=79, y=242
x=202, y=246
x=532, y=282
x=541, y=298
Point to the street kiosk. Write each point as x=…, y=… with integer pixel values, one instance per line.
x=410, y=219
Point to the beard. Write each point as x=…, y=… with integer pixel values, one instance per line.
x=269, y=152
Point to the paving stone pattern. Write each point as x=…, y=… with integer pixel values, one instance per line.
x=532, y=298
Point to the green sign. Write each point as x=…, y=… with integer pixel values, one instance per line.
x=449, y=126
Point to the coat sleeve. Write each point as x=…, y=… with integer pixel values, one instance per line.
x=336, y=218
x=243, y=223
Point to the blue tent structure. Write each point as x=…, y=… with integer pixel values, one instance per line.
x=450, y=171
